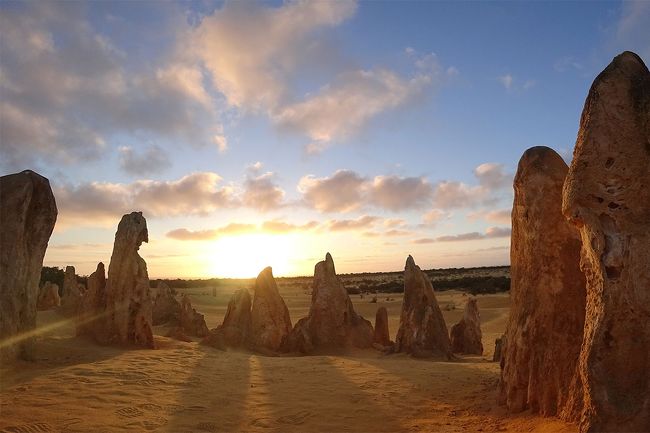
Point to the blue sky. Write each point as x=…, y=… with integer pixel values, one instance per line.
x=269, y=133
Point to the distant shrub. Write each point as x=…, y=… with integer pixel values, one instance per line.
x=474, y=285
x=53, y=275
x=353, y=290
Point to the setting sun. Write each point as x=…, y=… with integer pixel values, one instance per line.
x=244, y=256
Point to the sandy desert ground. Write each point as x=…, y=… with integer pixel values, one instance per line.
x=77, y=386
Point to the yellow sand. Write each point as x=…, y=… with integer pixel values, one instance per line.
x=76, y=386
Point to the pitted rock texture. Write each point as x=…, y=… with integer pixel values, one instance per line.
x=27, y=214
x=607, y=197
x=544, y=330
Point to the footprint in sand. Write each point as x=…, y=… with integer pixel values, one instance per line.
x=38, y=427
x=151, y=407
x=297, y=418
x=149, y=424
x=207, y=426
x=129, y=412
x=150, y=382
x=262, y=422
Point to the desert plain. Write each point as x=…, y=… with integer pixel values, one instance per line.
x=76, y=385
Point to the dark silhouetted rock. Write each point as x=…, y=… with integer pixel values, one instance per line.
x=166, y=308
x=544, y=330
x=270, y=321
x=71, y=294
x=607, y=197
x=122, y=309
x=233, y=332
x=27, y=217
x=48, y=297
x=332, y=323
x=192, y=322
x=466, y=335
x=422, y=331
x=93, y=314
x=382, y=335
x=499, y=344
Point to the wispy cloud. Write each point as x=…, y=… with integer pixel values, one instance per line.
x=491, y=232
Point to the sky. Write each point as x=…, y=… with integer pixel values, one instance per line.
x=256, y=134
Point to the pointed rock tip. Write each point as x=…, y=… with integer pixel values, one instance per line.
x=410, y=263
x=328, y=258
x=266, y=271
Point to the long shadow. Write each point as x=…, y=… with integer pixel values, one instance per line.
x=474, y=382
x=313, y=393
x=213, y=395
x=54, y=347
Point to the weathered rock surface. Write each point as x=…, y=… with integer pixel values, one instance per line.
x=422, y=331
x=466, y=335
x=27, y=213
x=607, y=196
x=192, y=322
x=124, y=306
x=544, y=330
x=93, y=314
x=166, y=308
x=270, y=321
x=71, y=297
x=382, y=335
x=233, y=332
x=332, y=323
x=48, y=297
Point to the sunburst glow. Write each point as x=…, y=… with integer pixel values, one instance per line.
x=244, y=256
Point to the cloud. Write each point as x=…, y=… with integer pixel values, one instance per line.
x=253, y=50
x=501, y=216
x=632, y=29
x=491, y=232
x=341, y=192
x=394, y=222
x=183, y=234
x=341, y=109
x=276, y=226
x=399, y=193
x=506, y=80
x=512, y=84
x=492, y=179
x=103, y=203
x=492, y=175
x=260, y=190
x=255, y=53
x=66, y=91
x=453, y=195
x=434, y=215
x=362, y=222
x=152, y=160
x=346, y=191
x=424, y=241
x=565, y=63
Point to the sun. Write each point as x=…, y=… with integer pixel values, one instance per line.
x=245, y=255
